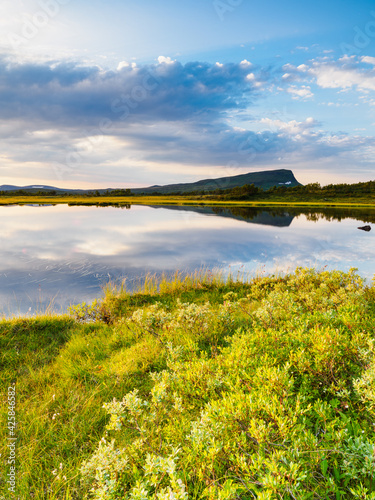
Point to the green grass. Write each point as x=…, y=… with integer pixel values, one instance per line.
x=223, y=389
x=267, y=201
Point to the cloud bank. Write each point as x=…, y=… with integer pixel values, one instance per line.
x=71, y=122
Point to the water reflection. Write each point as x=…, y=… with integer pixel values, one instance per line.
x=281, y=216
x=66, y=253
x=255, y=215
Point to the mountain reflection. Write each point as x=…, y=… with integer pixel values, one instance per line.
x=254, y=215
x=64, y=254
x=279, y=216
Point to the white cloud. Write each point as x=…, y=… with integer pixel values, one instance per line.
x=122, y=64
x=245, y=63
x=332, y=77
x=303, y=92
x=368, y=59
x=344, y=74
x=347, y=59
x=288, y=67
x=290, y=128
x=166, y=60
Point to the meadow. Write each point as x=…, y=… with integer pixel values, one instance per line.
x=208, y=200
x=196, y=387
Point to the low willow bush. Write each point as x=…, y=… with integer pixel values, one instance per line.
x=263, y=390
x=196, y=387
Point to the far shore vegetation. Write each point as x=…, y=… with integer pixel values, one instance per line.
x=359, y=194
x=196, y=387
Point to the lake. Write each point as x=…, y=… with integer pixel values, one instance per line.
x=64, y=255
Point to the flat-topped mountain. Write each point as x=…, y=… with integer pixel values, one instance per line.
x=264, y=180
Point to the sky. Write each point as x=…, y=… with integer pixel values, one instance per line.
x=118, y=93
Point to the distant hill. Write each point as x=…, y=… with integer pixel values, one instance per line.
x=264, y=180
x=33, y=187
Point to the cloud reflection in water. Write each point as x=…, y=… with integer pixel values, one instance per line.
x=67, y=253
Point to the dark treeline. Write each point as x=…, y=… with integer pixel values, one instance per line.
x=109, y=192
x=314, y=190
x=23, y=192
x=246, y=192
x=237, y=193
x=358, y=189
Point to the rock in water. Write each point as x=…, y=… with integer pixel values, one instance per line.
x=365, y=228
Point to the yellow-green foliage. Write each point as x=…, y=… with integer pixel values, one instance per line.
x=202, y=388
x=284, y=410
x=289, y=199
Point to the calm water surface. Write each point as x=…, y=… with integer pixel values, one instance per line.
x=65, y=254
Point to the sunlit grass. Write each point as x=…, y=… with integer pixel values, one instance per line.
x=182, y=200
x=265, y=385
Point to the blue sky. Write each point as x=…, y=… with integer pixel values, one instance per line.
x=99, y=93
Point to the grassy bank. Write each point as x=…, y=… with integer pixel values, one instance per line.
x=211, y=389
x=268, y=201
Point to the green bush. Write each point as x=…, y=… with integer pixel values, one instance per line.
x=198, y=387
x=283, y=406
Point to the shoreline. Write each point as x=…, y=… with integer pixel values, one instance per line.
x=178, y=201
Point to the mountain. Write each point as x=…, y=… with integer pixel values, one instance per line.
x=264, y=180
x=36, y=188
x=7, y=187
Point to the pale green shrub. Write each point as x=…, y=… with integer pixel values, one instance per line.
x=280, y=409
